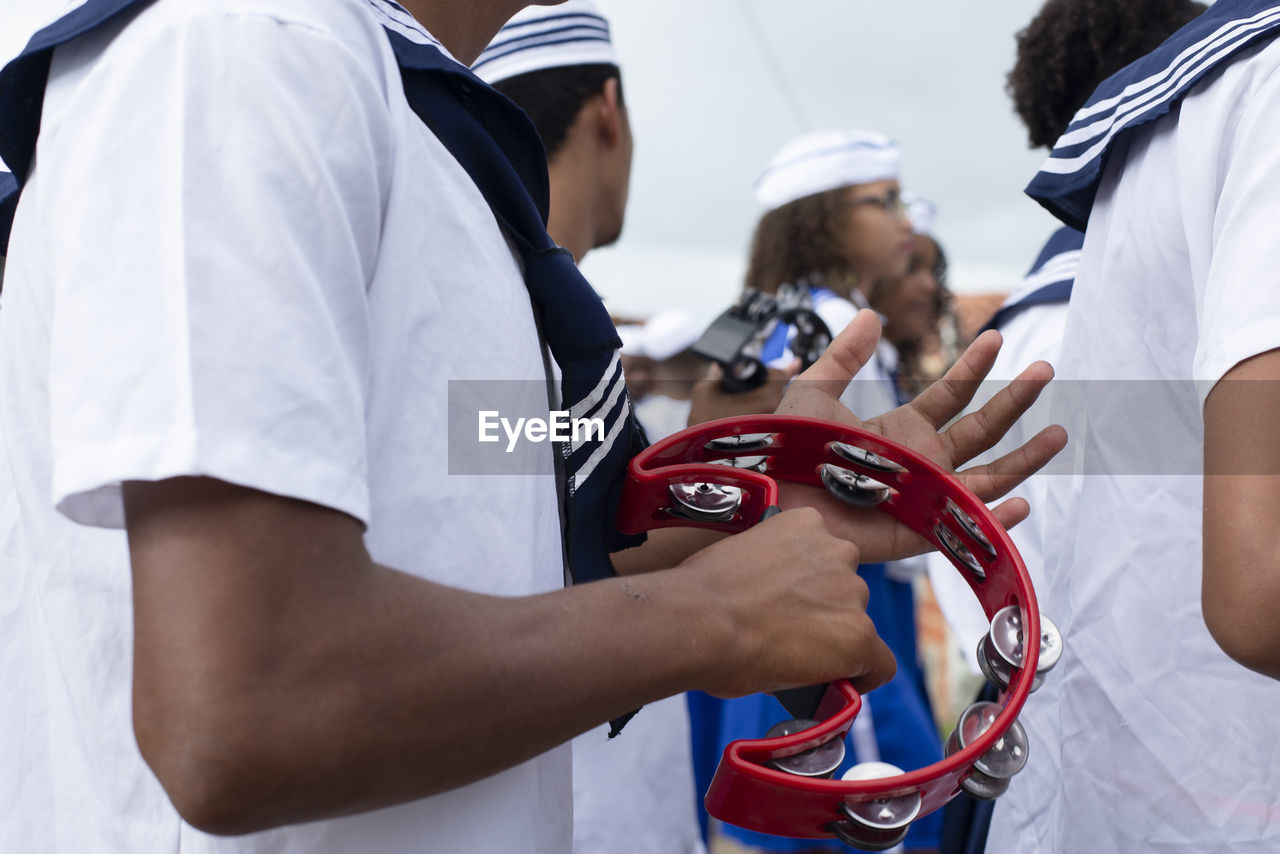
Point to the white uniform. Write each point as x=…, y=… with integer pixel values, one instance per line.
x=1032, y=332
x=1147, y=737
x=242, y=255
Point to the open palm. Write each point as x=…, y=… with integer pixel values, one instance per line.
x=924, y=426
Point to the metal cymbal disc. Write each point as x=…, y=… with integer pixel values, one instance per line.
x=863, y=457
x=1051, y=647
x=982, y=787
x=741, y=442
x=951, y=544
x=1007, y=756
x=856, y=489
x=996, y=669
x=820, y=761
x=705, y=502
x=971, y=527
x=1007, y=636
x=864, y=838
x=755, y=463
x=891, y=813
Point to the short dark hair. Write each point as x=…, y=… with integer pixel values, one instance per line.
x=553, y=97
x=1073, y=45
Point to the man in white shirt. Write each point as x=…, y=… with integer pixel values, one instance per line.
x=633, y=794
x=1163, y=549
x=242, y=272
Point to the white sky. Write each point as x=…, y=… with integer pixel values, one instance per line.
x=708, y=115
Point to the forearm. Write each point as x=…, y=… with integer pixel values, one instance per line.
x=1241, y=585
x=663, y=549
x=330, y=685
x=281, y=676
x=1241, y=591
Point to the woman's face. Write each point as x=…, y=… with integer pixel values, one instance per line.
x=879, y=239
x=911, y=304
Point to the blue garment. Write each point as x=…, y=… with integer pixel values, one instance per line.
x=1140, y=93
x=904, y=727
x=1048, y=281
x=775, y=347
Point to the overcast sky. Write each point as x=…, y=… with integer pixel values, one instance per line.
x=708, y=113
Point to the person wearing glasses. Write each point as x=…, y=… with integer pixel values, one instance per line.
x=834, y=218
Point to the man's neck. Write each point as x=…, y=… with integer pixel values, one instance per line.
x=572, y=220
x=465, y=27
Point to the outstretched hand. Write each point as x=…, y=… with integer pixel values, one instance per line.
x=923, y=426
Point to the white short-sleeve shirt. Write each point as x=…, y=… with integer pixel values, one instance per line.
x=240, y=254
x=1147, y=737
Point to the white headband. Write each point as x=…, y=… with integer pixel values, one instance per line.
x=542, y=37
x=825, y=160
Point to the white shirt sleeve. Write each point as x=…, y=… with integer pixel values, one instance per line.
x=1240, y=309
x=213, y=189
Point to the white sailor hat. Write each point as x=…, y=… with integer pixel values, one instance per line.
x=668, y=333
x=542, y=37
x=824, y=160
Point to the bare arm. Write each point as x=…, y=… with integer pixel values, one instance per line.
x=281, y=675
x=1241, y=592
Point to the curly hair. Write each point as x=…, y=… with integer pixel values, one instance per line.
x=1073, y=45
x=805, y=239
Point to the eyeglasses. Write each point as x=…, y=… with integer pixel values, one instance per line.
x=889, y=200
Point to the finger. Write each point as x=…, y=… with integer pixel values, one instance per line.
x=714, y=372
x=947, y=397
x=1010, y=513
x=851, y=349
x=978, y=431
x=876, y=664
x=792, y=370
x=995, y=479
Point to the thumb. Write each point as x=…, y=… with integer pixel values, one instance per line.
x=848, y=351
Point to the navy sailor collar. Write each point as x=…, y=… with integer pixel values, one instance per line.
x=1139, y=94
x=1049, y=280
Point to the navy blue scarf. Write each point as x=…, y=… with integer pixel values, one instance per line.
x=499, y=148
x=1139, y=94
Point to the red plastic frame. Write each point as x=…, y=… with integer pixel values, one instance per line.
x=746, y=791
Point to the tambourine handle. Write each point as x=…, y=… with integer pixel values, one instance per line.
x=802, y=703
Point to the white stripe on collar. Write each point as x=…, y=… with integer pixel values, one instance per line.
x=394, y=17
x=1059, y=268
x=1189, y=63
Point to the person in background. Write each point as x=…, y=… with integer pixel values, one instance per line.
x=1063, y=53
x=834, y=218
x=1159, y=731
x=633, y=793
x=914, y=306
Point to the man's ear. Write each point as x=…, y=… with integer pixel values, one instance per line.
x=609, y=116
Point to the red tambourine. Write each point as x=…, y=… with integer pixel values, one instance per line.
x=723, y=475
